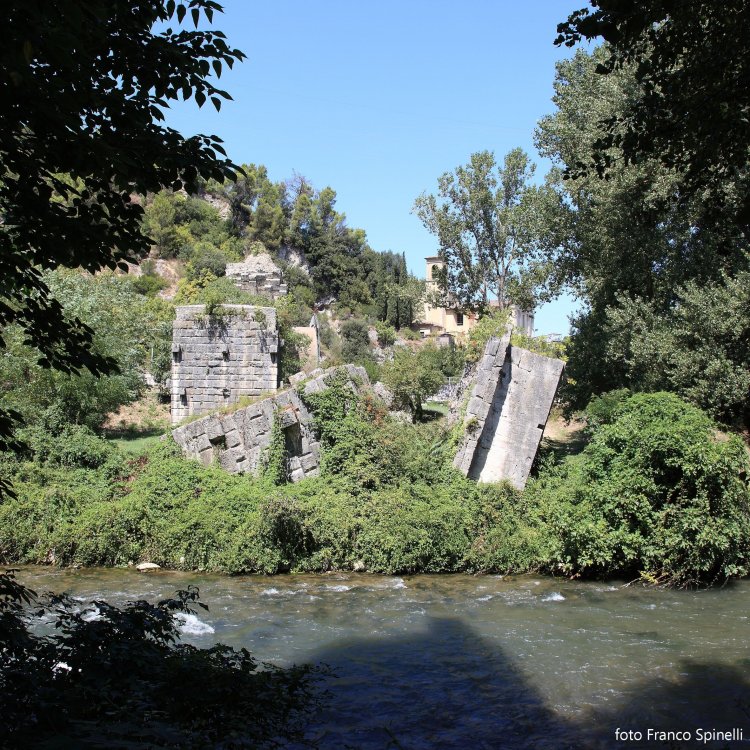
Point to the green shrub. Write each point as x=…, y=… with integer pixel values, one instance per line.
x=386, y=333
x=75, y=446
x=149, y=284
x=356, y=340
x=206, y=257
x=603, y=409
x=657, y=492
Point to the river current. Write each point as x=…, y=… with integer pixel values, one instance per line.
x=478, y=662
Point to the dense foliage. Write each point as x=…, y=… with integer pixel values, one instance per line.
x=658, y=281
x=322, y=258
x=132, y=330
x=82, y=99
x=690, y=114
x=658, y=492
x=495, y=232
x=413, y=376
x=105, y=676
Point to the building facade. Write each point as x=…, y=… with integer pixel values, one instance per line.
x=456, y=321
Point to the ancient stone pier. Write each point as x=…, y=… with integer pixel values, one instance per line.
x=218, y=359
x=506, y=414
x=239, y=441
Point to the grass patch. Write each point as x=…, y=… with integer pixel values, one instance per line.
x=135, y=442
x=437, y=407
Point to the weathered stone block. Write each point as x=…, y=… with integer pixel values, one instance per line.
x=239, y=441
x=505, y=418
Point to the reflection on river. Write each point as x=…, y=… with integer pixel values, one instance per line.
x=475, y=662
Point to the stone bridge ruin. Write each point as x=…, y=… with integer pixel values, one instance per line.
x=510, y=401
x=231, y=355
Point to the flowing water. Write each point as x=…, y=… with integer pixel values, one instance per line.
x=477, y=662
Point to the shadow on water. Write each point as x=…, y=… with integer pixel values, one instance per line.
x=412, y=693
x=706, y=696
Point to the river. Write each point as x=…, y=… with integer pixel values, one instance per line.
x=477, y=662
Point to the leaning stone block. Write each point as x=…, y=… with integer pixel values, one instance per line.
x=506, y=415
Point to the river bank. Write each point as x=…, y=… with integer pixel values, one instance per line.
x=654, y=494
x=473, y=661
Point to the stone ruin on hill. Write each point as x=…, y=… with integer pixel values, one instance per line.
x=510, y=401
x=258, y=274
x=239, y=441
x=219, y=359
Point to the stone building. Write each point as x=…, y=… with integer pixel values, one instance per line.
x=453, y=319
x=258, y=274
x=218, y=359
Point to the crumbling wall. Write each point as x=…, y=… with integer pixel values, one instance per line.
x=218, y=359
x=258, y=274
x=507, y=412
x=239, y=441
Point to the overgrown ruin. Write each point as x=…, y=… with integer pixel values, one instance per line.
x=232, y=354
x=239, y=440
x=221, y=357
x=510, y=401
x=258, y=274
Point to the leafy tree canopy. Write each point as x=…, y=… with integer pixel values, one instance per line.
x=488, y=222
x=82, y=96
x=413, y=376
x=691, y=63
x=651, y=270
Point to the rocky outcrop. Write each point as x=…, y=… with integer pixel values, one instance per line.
x=510, y=402
x=239, y=441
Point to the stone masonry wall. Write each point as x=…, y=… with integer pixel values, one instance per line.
x=238, y=441
x=258, y=274
x=216, y=360
x=507, y=412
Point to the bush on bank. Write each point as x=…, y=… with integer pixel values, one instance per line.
x=657, y=492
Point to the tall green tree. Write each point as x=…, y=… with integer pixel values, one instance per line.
x=662, y=282
x=413, y=376
x=486, y=218
x=82, y=99
x=690, y=63
x=259, y=207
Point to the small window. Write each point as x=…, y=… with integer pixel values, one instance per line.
x=183, y=399
x=459, y=319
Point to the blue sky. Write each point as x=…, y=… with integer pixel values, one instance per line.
x=377, y=100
